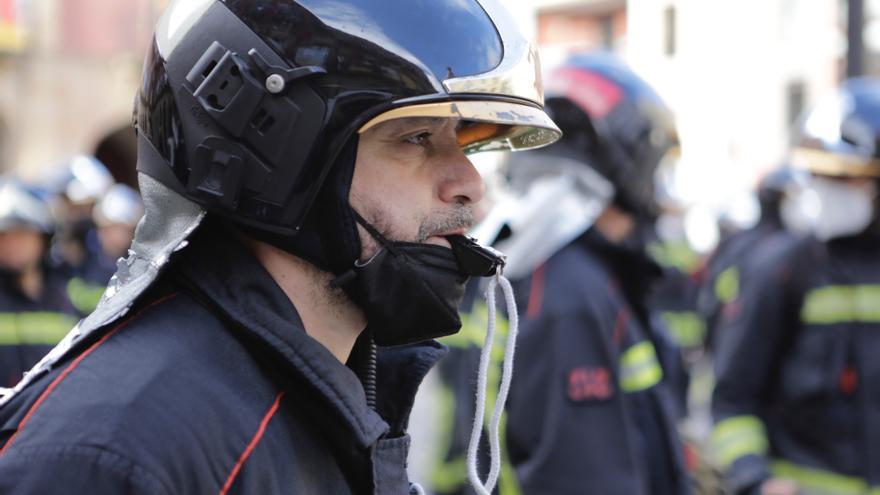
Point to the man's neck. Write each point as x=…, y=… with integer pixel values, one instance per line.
x=31, y=282
x=328, y=315
x=614, y=224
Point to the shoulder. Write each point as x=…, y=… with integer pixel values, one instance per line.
x=572, y=294
x=573, y=281
x=166, y=384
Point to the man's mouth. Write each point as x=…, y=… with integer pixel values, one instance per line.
x=438, y=240
x=441, y=238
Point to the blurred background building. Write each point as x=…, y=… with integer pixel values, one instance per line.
x=736, y=73
x=68, y=72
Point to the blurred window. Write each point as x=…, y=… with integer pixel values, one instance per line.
x=607, y=29
x=796, y=97
x=669, y=20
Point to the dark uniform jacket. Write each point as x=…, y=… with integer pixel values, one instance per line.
x=794, y=396
x=29, y=328
x=589, y=409
x=727, y=270
x=211, y=386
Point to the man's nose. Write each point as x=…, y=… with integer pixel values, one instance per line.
x=461, y=183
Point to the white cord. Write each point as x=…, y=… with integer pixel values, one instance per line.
x=482, y=379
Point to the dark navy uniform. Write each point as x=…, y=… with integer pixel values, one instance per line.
x=29, y=328
x=792, y=398
x=206, y=388
x=590, y=410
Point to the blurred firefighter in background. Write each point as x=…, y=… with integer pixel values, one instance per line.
x=591, y=405
x=79, y=185
x=116, y=215
x=35, y=311
x=792, y=407
x=734, y=257
x=675, y=296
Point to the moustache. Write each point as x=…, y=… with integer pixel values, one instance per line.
x=462, y=217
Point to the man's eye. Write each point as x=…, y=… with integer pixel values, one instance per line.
x=420, y=139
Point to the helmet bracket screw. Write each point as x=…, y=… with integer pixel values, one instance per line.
x=275, y=84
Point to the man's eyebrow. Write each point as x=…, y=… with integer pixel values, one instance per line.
x=402, y=125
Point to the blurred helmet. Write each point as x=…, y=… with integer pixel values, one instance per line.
x=22, y=207
x=785, y=180
x=251, y=109
x=121, y=205
x=82, y=179
x=614, y=121
x=840, y=135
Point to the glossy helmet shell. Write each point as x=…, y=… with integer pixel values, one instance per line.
x=246, y=104
x=841, y=134
x=614, y=121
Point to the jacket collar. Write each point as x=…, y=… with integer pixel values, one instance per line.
x=225, y=273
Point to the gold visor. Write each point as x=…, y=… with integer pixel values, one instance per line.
x=507, y=126
x=826, y=163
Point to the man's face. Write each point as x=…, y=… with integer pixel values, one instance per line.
x=413, y=182
x=21, y=249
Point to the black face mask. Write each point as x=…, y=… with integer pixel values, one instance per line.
x=410, y=292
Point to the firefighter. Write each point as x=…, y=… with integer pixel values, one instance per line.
x=80, y=183
x=591, y=409
x=306, y=187
x=726, y=269
x=793, y=407
x=35, y=312
x=115, y=217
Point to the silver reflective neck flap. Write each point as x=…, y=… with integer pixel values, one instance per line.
x=169, y=219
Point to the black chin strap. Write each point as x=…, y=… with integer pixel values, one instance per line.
x=374, y=232
x=350, y=274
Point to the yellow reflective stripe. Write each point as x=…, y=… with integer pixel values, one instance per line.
x=473, y=330
x=8, y=329
x=821, y=482
x=639, y=368
x=83, y=295
x=737, y=437
x=727, y=285
x=841, y=304
x=686, y=327
x=44, y=328
x=675, y=255
x=34, y=328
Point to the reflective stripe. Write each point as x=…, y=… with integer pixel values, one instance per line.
x=473, y=330
x=841, y=304
x=737, y=437
x=639, y=368
x=83, y=295
x=686, y=327
x=813, y=481
x=34, y=328
x=727, y=285
x=675, y=255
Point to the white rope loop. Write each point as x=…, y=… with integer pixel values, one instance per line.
x=482, y=381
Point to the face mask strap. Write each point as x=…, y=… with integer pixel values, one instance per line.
x=381, y=239
x=482, y=379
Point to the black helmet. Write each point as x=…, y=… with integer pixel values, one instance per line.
x=247, y=106
x=841, y=135
x=615, y=122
